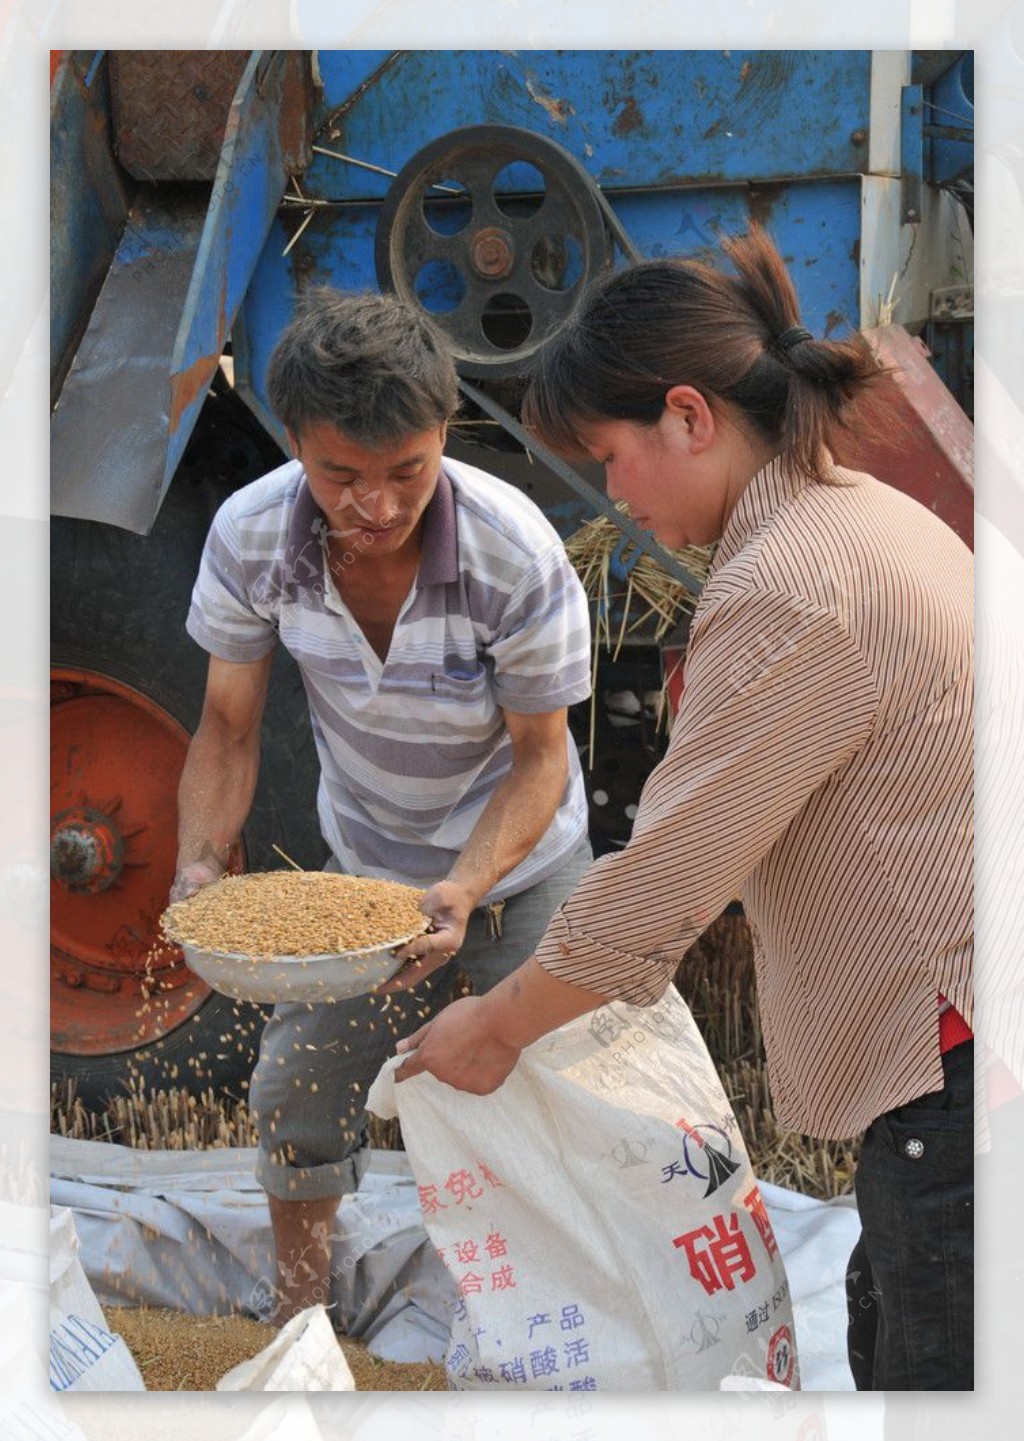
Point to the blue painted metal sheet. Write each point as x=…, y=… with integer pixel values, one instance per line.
x=247, y=189
x=268, y=307
x=815, y=224
x=160, y=323
x=108, y=433
x=88, y=201
x=633, y=118
x=951, y=108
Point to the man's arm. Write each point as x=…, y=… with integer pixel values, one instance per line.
x=521, y=807
x=219, y=777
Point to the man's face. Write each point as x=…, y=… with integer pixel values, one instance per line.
x=372, y=499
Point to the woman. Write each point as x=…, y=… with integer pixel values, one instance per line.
x=820, y=767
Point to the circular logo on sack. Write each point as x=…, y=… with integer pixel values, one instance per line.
x=781, y=1356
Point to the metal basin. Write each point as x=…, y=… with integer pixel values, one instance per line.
x=322, y=978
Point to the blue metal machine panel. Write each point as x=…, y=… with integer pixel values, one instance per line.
x=157, y=331
x=815, y=224
x=109, y=430
x=951, y=110
x=247, y=190
x=88, y=200
x=633, y=118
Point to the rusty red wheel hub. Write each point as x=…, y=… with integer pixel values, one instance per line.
x=115, y=762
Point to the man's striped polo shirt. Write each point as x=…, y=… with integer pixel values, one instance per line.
x=410, y=749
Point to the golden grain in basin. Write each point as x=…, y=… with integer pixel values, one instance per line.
x=295, y=913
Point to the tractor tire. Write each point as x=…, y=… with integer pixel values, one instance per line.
x=127, y=685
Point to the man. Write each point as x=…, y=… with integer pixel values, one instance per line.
x=441, y=635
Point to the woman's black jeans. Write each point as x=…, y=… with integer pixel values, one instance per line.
x=910, y=1281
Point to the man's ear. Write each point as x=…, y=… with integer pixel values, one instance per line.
x=688, y=407
x=444, y=433
x=293, y=441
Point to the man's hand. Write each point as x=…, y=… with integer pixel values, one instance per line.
x=459, y=1047
x=193, y=877
x=449, y=906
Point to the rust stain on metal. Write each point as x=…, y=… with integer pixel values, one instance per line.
x=558, y=110
x=492, y=253
x=170, y=110
x=713, y=130
x=833, y=320
x=331, y=124
x=189, y=384
x=761, y=202
x=745, y=70
x=629, y=118
x=295, y=124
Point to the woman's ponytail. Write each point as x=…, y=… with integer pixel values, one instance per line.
x=822, y=377
x=735, y=337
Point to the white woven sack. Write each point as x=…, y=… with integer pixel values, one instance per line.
x=84, y=1354
x=303, y=1356
x=598, y=1214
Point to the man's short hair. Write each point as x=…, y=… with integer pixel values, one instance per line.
x=371, y=365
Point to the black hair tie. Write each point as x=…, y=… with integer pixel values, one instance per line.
x=795, y=335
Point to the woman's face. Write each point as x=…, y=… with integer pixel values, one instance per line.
x=677, y=477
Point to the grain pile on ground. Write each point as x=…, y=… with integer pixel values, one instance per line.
x=176, y=1352
x=295, y=913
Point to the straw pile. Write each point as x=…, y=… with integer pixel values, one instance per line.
x=151, y=1119
x=649, y=600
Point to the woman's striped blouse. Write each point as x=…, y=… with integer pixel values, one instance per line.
x=821, y=768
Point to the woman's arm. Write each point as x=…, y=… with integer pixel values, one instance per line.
x=474, y=1043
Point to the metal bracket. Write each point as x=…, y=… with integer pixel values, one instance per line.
x=931, y=149
x=642, y=539
x=911, y=153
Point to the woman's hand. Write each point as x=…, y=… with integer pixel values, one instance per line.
x=460, y=1048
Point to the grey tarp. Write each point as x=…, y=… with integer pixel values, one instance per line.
x=191, y=1231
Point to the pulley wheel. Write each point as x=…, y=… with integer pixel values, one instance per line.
x=494, y=231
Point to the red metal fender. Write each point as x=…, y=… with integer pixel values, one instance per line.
x=933, y=459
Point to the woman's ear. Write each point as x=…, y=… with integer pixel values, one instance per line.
x=689, y=408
